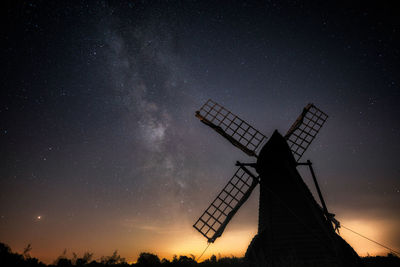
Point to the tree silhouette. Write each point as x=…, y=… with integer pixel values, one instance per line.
x=115, y=258
x=86, y=258
x=27, y=249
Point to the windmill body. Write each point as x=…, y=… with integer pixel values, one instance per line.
x=292, y=225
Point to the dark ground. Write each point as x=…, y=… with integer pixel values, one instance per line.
x=8, y=258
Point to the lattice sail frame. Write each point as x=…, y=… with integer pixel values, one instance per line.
x=304, y=130
x=237, y=131
x=213, y=221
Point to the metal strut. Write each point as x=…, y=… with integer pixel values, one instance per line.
x=253, y=165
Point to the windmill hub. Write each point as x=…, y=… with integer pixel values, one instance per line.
x=271, y=154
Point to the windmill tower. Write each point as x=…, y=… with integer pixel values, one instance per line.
x=293, y=229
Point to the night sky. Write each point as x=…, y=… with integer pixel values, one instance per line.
x=100, y=149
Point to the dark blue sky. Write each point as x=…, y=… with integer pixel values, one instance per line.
x=98, y=134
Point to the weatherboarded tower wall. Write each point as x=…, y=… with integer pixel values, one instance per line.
x=292, y=229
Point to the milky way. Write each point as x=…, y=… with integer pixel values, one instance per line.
x=100, y=146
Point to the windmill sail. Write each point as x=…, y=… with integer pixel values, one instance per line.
x=237, y=131
x=213, y=221
x=304, y=130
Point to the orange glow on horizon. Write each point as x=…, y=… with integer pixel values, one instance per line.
x=182, y=239
x=378, y=230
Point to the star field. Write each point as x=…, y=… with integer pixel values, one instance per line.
x=100, y=149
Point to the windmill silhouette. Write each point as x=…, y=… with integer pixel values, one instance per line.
x=291, y=225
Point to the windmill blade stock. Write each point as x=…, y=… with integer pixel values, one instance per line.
x=215, y=218
x=235, y=130
x=304, y=130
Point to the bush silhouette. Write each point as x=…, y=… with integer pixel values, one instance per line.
x=148, y=259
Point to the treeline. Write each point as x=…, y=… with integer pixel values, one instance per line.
x=9, y=258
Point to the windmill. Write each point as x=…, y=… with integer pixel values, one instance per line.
x=291, y=223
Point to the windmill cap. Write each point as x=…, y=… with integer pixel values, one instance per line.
x=274, y=153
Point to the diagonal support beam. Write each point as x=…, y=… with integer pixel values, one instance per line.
x=329, y=216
